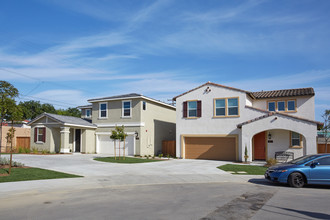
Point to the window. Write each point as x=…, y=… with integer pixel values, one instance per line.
x=281, y=106
x=325, y=161
x=40, y=134
x=144, y=105
x=226, y=107
x=126, y=110
x=291, y=105
x=295, y=139
x=271, y=106
x=233, y=106
x=192, y=109
x=220, y=107
x=103, y=110
x=88, y=113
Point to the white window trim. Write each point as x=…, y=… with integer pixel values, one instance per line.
x=39, y=142
x=130, y=109
x=106, y=110
x=90, y=113
x=188, y=115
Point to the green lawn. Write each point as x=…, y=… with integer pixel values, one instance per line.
x=24, y=174
x=249, y=169
x=127, y=160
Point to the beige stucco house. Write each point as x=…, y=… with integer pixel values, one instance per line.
x=218, y=122
x=146, y=121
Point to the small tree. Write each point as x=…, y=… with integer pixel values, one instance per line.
x=8, y=93
x=326, y=128
x=122, y=137
x=14, y=114
x=114, y=137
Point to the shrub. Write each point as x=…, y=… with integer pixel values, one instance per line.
x=44, y=151
x=27, y=150
x=271, y=162
x=160, y=155
x=35, y=150
x=168, y=156
x=6, y=161
x=20, y=150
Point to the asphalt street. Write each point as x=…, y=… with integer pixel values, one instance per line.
x=178, y=189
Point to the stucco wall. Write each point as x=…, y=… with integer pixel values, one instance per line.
x=49, y=143
x=281, y=142
x=159, y=125
x=88, y=141
x=115, y=112
x=208, y=124
x=305, y=105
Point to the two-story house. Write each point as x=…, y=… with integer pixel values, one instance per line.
x=147, y=122
x=219, y=122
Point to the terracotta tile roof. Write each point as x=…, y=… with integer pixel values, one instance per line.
x=283, y=93
x=268, y=113
x=214, y=84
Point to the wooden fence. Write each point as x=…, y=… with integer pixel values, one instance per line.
x=168, y=147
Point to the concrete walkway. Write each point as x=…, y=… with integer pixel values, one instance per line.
x=100, y=174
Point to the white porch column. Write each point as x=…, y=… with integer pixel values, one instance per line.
x=65, y=131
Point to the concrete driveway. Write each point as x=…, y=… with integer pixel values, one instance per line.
x=100, y=174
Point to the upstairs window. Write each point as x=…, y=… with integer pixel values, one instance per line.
x=271, y=106
x=103, y=110
x=88, y=113
x=226, y=107
x=144, y=105
x=281, y=106
x=126, y=109
x=233, y=106
x=192, y=109
x=291, y=105
x=220, y=107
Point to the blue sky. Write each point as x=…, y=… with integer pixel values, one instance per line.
x=65, y=52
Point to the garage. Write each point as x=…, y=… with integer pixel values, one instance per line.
x=105, y=145
x=210, y=148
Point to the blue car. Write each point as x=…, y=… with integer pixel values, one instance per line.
x=309, y=169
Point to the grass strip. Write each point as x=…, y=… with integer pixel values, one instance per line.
x=249, y=169
x=24, y=174
x=127, y=160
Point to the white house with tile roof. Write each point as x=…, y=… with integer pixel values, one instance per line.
x=218, y=122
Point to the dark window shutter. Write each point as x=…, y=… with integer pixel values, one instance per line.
x=199, y=108
x=185, y=109
x=44, y=137
x=35, y=134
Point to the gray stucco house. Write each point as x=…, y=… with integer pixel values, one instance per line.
x=147, y=123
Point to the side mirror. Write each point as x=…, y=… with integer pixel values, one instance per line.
x=314, y=164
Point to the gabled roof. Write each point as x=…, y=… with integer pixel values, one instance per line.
x=268, y=114
x=214, y=84
x=129, y=96
x=284, y=93
x=65, y=120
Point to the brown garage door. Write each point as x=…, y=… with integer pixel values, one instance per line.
x=211, y=148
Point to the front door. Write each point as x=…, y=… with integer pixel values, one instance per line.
x=77, y=140
x=259, y=141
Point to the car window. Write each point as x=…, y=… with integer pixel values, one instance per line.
x=324, y=161
x=303, y=159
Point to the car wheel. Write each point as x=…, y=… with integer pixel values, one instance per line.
x=296, y=180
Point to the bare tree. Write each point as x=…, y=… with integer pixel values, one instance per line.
x=326, y=128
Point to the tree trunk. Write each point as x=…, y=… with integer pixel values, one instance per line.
x=124, y=148
x=11, y=145
x=114, y=147
x=1, y=136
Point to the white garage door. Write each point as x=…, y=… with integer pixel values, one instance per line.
x=105, y=145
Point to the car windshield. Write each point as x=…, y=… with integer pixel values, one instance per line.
x=303, y=159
